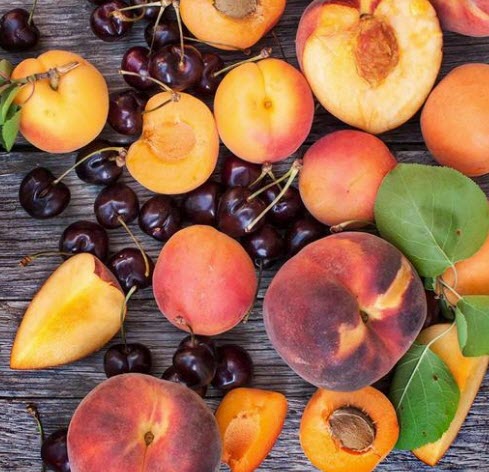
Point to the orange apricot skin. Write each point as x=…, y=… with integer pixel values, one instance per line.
x=250, y=421
x=455, y=120
x=204, y=280
x=341, y=175
x=325, y=451
x=68, y=118
x=264, y=110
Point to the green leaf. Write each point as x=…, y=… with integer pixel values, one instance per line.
x=425, y=396
x=10, y=129
x=6, y=68
x=6, y=99
x=472, y=316
x=435, y=215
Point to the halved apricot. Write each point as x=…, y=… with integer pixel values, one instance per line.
x=179, y=146
x=250, y=421
x=348, y=431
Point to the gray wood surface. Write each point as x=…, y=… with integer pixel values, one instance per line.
x=58, y=391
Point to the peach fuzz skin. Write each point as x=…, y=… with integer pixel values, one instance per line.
x=341, y=175
x=136, y=422
x=264, y=110
x=204, y=280
x=469, y=17
x=68, y=118
x=207, y=23
x=344, y=310
x=455, y=120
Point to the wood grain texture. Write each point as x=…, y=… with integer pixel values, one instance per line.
x=58, y=391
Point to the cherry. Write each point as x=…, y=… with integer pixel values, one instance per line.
x=108, y=23
x=116, y=205
x=302, y=232
x=18, y=31
x=103, y=167
x=171, y=375
x=150, y=13
x=126, y=112
x=265, y=246
x=127, y=358
x=160, y=217
x=136, y=59
x=178, y=71
x=234, y=368
x=129, y=267
x=384, y=384
x=236, y=211
x=434, y=309
x=200, y=205
x=209, y=82
x=287, y=209
x=54, y=451
x=85, y=236
x=238, y=173
x=164, y=33
x=42, y=195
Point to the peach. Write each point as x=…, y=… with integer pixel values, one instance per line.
x=204, y=281
x=341, y=175
x=348, y=431
x=135, y=422
x=344, y=310
x=75, y=313
x=228, y=24
x=179, y=146
x=370, y=63
x=469, y=17
x=67, y=116
x=468, y=373
x=264, y=110
x=461, y=139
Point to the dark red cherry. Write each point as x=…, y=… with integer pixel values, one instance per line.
x=127, y=358
x=136, y=59
x=179, y=74
x=265, y=246
x=238, y=173
x=115, y=202
x=302, y=232
x=150, y=13
x=172, y=375
x=208, y=83
x=165, y=33
x=234, y=367
x=85, y=236
x=103, y=168
x=160, y=217
x=41, y=196
x=200, y=205
x=235, y=212
x=384, y=384
x=16, y=32
x=130, y=269
x=434, y=314
x=108, y=23
x=287, y=210
x=126, y=112
x=54, y=451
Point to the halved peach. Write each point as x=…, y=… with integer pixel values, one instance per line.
x=179, y=146
x=231, y=24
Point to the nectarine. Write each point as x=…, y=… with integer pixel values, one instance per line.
x=469, y=17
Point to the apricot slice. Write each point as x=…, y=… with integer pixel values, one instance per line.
x=179, y=146
x=250, y=421
x=231, y=24
x=345, y=432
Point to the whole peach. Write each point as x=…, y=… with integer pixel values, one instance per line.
x=469, y=17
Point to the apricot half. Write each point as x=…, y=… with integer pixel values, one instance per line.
x=231, y=24
x=371, y=63
x=179, y=146
x=264, y=110
x=346, y=432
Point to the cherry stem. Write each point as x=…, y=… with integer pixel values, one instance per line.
x=214, y=43
x=265, y=170
x=126, y=19
x=131, y=292
x=351, y=225
x=176, y=6
x=450, y=289
x=121, y=150
x=265, y=52
x=292, y=173
x=31, y=13
x=34, y=412
x=25, y=261
x=260, y=275
x=272, y=176
x=137, y=243
x=151, y=79
x=164, y=5
x=270, y=185
x=53, y=75
x=174, y=99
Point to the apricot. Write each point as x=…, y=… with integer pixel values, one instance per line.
x=65, y=117
x=228, y=24
x=135, y=422
x=348, y=431
x=469, y=17
x=370, y=63
x=249, y=421
x=341, y=175
x=264, y=110
x=460, y=138
x=344, y=310
x=179, y=146
x=468, y=373
x=204, y=281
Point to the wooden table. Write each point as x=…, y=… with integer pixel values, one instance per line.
x=58, y=391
